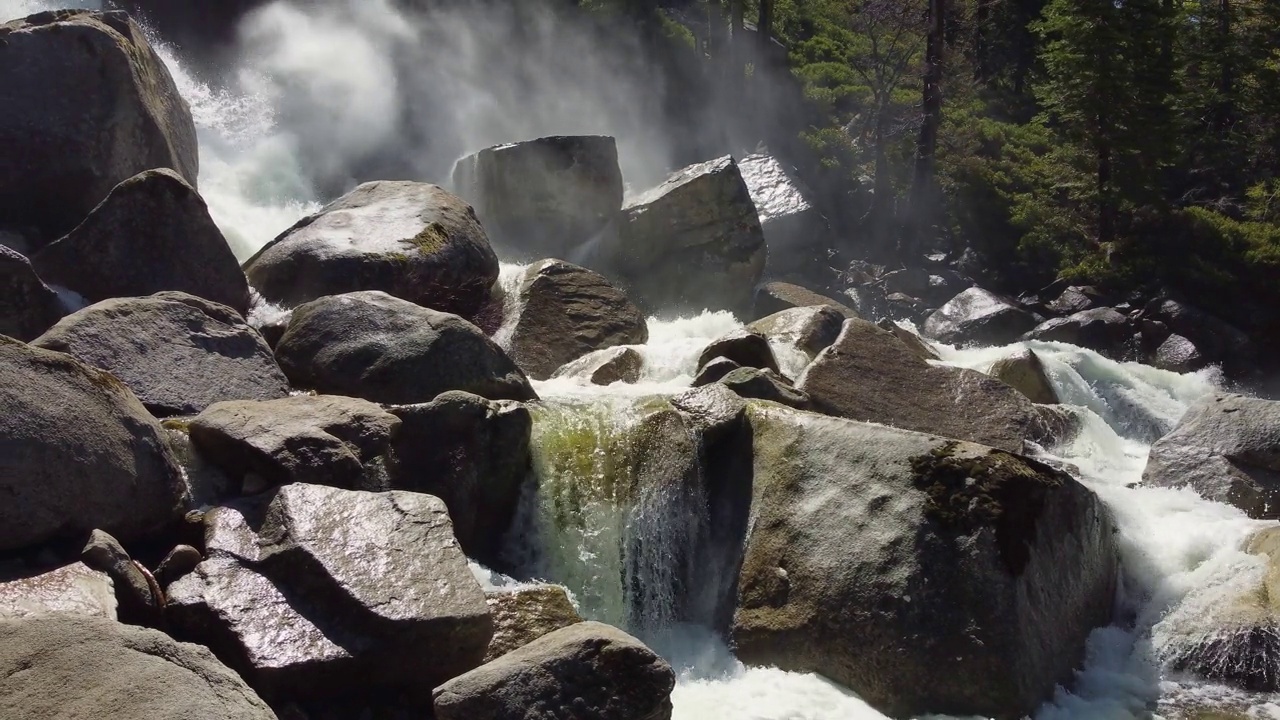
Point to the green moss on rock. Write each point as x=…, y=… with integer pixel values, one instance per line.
x=997, y=489
x=430, y=240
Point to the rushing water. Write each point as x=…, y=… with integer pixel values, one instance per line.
x=1180, y=553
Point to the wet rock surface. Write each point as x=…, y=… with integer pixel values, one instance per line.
x=314, y=591
x=176, y=352
x=795, y=230
x=411, y=240
x=525, y=614
x=1025, y=372
x=978, y=317
x=1102, y=329
x=774, y=297
x=744, y=347
x=76, y=589
x=809, y=329
x=605, y=367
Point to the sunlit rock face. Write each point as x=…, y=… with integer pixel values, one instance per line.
x=798, y=235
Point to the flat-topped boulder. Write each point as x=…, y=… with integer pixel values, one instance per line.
x=544, y=197
x=776, y=296
x=81, y=453
x=178, y=353
x=865, y=539
x=312, y=591
x=693, y=243
x=809, y=330
x=152, y=233
x=978, y=317
x=562, y=312
x=106, y=107
x=388, y=350
x=412, y=240
x=76, y=589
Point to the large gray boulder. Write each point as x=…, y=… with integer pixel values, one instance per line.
x=382, y=348
x=692, y=243
x=526, y=613
x=79, y=452
x=586, y=670
x=744, y=347
x=545, y=197
x=605, y=367
x=28, y=306
x=1102, y=329
x=809, y=330
x=1025, y=372
x=1216, y=340
x=153, y=232
x=1227, y=448
x=176, y=352
x=75, y=588
x=312, y=591
x=106, y=109
x=85, y=668
x=774, y=297
x=562, y=312
x=978, y=317
x=867, y=539
x=318, y=439
x=412, y=240
x=470, y=452
x=798, y=235
x=869, y=374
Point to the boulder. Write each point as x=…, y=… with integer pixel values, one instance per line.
x=979, y=317
x=207, y=483
x=1216, y=341
x=605, y=367
x=900, y=306
x=388, y=350
x=797, y=233
x=747, y=348
x=714, y=371
x=471, y=453
x=586, y=670
x=1025, y=372
x=177, y=353
x=80, y=453
x=75, y=588
x=1226, y=448
x=106, y=107
x=85, y=668
x=138, y=598
x=1228, y=632
x=693, y=243
x=809, y=330
x=28, y=307
x=411, y=240
x=867, y=538
x=153, y=232
x=931, y=287
x=774, y=297
x=868, y=302
x=872, y=376
x=545, y=197
x=562, y=312
x=181, y=560
x=1178, y=354
x=312, y=591
x=764, y=385
x=318, y=439
x=1074, y=299
x=526, y=613
x=1103, y=330
x=914, y=342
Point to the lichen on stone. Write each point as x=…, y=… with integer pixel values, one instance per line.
x=430, y=240
x=997, y=489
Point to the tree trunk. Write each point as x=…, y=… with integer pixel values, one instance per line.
x=922, y=206
x=982, y=41
x=1225, y=115
x=1106, y=201
x=764, y=28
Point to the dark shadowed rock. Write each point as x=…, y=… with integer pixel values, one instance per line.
x=177, y=353
x=933, y=288
x=1179, y=355
x=561, y=312
x=545, y=197
x=473, y=454
x=588, y=670
x=1101, y=329
x=75, y=588
x=809, y=329
x=312, y=591
x=1217, y=341
x=869, y=302
x=381, y=348
x=138, y=603
x=319, y=439
x=900, y=306
x=525, y=614
x=742, y=346
x=764, y=385
x=605, y=367
x=774, y=297
x=28, y=307
x=1227, y=448
x=1074, y=299
x=714, y=371
x=85, y=668
x=690, y=244
x=152, y=233
x=979, y=317
x=79, y=452
x=181, y=560
x=867, y=538
x=1025, y=372
x=872, y=376
x=797, y=233
x=207, y=483
x=411, y=240
x=106, y=107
